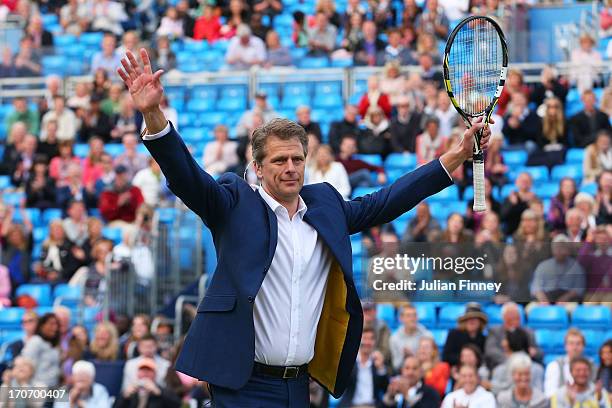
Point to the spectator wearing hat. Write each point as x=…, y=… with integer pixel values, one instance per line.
x=405, y=341
x=586, y=61
x=146, y=390
x=409, y=389
x=430, y=144
x=521, y=394
x=303, y=119
x=581, y=392
x=245, y=50
x=147, y=349
x=511, y=321
x=94, y=122
x=84, y=391
x=220, y=154
x=261, y=108
x=118, y=204
x=515, y=343
x=469, y=331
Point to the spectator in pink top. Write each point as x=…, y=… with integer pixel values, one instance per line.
x=92, y=166
x=58, y=168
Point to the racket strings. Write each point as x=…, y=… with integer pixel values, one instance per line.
x=475, y=62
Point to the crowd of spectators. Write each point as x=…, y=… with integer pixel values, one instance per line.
x=398, y=113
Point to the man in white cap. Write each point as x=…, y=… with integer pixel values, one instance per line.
x=245, y=50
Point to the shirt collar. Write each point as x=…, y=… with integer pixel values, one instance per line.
x=275, y=205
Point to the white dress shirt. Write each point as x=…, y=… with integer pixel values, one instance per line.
x=479, y=398
x=364, y=387
x=289, y=302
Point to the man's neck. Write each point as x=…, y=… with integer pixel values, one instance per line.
x=410, y=330
x=291, y=205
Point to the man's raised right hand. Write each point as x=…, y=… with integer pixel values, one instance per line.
x=144, y=85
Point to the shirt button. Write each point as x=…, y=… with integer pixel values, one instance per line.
x=250, y=299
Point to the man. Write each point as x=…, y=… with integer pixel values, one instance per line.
x=75, y=226
x=146, y=390
x=585, y=124
x=108, y=58
x=574, y=221
x=446, y=114
x=74, y=190
x=405, y=340
x=252, y=295
x=433, y=20
x=149, y=181
x=84, y=391
x=369, y=378
x=521, y=125
x=94, y=122
x=560, y=278
x=517, y=202
x=131, y=159
x=20, y=174
x=369, y=49
x=358, y=170
x=245, y=50
x=558, y=371
x=261, y=108
x=67, y=122
x=303, y=119
x=511, y=321
x=382, y=333
x=220, y=154
x=29, y=320
x=395, y=51
x=405, y=127
x=582, y=392
x=322, y=36
x=408, y=390
x=349, y=125
x=119, y=203
x=430, y=72
x=147, y=349
x=23, y=114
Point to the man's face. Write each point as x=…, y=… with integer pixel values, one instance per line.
x=523, y=182
x=221, y=135
x=121, y=179
x=244, y=40
x=589, y=101
x=303, y=116
x=108, y=44
x=321, y=21
x=129, y=142
x=411, y=370
x=581, y=373
x=367, y=342
x=260, y=102
x=348, y=147
x=512, y=319
x=409, y=318
x=350, y=113
x=425, y=62
x=282, y=169
x=574, y=346
x=394, y=39
x=369, y=30
x=147, y=348
x=20, y=105
x=145, y=373
x=469, y=378
x=76, y=211
x=369, y=315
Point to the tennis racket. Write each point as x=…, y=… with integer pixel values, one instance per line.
x=475, y=65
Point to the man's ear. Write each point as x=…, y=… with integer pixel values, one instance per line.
x=258, y=171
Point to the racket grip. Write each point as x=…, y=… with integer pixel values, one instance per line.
x=479, y=186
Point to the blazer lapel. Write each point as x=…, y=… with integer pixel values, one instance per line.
x=272, y=231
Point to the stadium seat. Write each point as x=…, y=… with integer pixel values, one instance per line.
x=426, y=313
x=5, y=182
x=447, y=318
x=114, y=234
x=231, y=104
x=590, y=188
x=547, y=190
x=548, y=317
x=361, y=191
x=387, y=313
x=54, y=64
x=342, y=63
x=10, y=318
x=328, y=101
x=80, y=150
x=593, y=339
x=574, y=156
x=64, y=41
x=314, y=62
x=373, y=159
x=494, y=314
x=538, y=173
x=567, y=170
x=41, y=292
x=51, y=214
x=93, y=39
x=110, y=375
x=33, y=215
x=13, y=199
x=402, y=161
x=198, y=105
x=166, y=215
x=211, y=119
x=64, y=291
x=550, y=341
x=328, y=88
x=449, y=194
x=195, y=46
x=439, y=336
x=514, y=158
x=592, y=317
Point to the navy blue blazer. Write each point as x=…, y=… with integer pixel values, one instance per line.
x=220, y=345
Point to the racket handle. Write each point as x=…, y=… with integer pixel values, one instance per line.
x=479, y=186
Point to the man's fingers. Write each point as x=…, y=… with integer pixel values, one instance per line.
x=157, y=74
x=135, y=65
x=146, y=61
x=124, y=77
x=128, y=69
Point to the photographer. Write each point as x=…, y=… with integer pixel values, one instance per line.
x=145, y=388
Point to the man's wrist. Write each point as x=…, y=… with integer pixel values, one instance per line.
x=454, y=158
x=155, y=120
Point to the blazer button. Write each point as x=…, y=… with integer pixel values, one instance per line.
x=250, y=299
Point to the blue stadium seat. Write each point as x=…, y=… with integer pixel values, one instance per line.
x=547, y=190
x=550, y=341
x=81, y=150
x=51, y=214
x=231, y=104
x=13, y=199
x=399, y=225
x=314, y=62
x=439, y=336
x=93, y=39
x=592, y=317
x=64, y=41
x=393, y=175
x=361, y=191
x=387, y=313
x=468, y=193
x=373, y=159
x=297, y=89
x=548, y=317
x=40, y=234
x=10, y=318
x=450, y=193
x=574, y=155
x=567, y=170
x=538, y=173
x=54, y=64
x=5, y=182
x=426, y=313
x=342, y=63
x=402, y=161
x=328, y=101
x=593, y=339
x=66, y=291
x=195, y=46
x=201, y=105
x=211, y=119
x=328, y=88
x=114, y=234
x=174, y=93
x=514, y=158
x=110, y=375
x=447, y=318
x=494, y=314
x=43, y=310
x=33, y=215
x=114, y=149
x=166, y=215
x=284, y=19
x=590, y=188
x=39, y=291
x=297, y=54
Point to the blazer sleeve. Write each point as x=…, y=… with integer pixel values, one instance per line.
x=390, y=202
x=186, y=179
